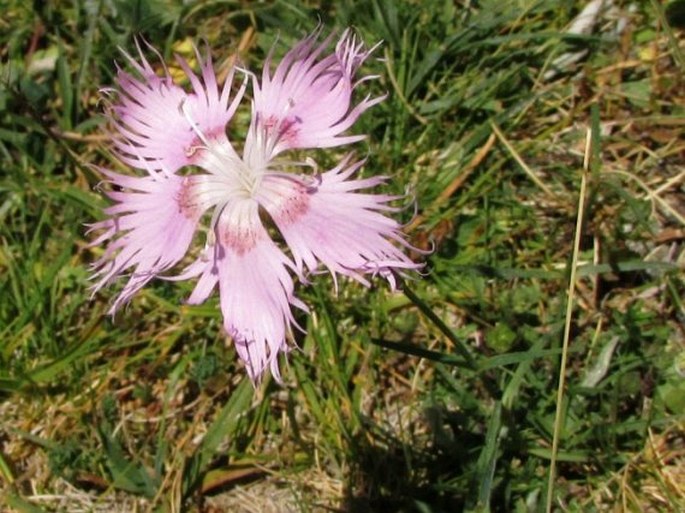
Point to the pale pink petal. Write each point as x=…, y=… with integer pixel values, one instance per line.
x=334, y=225
x=156, y=121
x=307, y=103
x=150, y=228
x=255, y=287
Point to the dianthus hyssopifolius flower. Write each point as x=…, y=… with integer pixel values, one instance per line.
x=189, y=178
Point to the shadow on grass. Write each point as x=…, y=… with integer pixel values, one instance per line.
x=389, y=474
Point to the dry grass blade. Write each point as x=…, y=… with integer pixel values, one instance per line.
x=567, y=324
x=531, y=174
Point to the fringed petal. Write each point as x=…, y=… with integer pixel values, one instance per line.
x=157, y=122
x=334, y=225
x=151, y=226
x=307, y=101
x=255, y=287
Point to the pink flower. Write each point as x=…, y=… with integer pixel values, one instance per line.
x=178, y=139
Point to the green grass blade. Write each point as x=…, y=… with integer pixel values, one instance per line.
x=225, y=424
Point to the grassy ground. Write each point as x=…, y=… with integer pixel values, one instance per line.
x=442, y=397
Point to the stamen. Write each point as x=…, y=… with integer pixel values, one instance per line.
x=183, y=110
x=210, y=242
x=230, y=166
x=309, y=182
x=192, y=150
x=211, y=234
